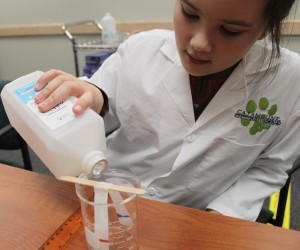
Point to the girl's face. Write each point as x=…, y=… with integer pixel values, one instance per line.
x=213, y=35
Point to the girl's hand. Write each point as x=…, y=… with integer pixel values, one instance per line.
x=56, y=86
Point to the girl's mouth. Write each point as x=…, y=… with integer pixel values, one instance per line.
x=196, y=60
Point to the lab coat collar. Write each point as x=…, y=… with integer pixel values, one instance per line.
x=169, y=49
x=255, y=64
x=233, y=91
x=260, y=63
x=176, y=81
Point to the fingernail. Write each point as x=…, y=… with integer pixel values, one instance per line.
x=37, y=87
x=77, y=109
x=43, y=105
x=39, y=97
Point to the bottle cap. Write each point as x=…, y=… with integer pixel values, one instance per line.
x=94, y=163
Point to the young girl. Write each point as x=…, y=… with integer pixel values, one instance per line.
x=209, y=114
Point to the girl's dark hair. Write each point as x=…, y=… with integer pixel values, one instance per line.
x=276, y=12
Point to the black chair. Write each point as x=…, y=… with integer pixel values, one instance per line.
x=266, y=215
x=10, y=139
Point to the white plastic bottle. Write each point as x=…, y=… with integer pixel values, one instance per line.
x=67, y=144
x=109, y=32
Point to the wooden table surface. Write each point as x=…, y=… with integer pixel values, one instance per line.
x=34, y=206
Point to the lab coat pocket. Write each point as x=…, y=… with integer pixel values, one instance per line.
x=222, y=164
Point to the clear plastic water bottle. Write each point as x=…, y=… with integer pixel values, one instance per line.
x=109, y=32
x=68, y=144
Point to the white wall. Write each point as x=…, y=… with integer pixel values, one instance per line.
x=59, y=11
x=22, y=55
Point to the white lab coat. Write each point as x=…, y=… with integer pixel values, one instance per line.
x=214, y=162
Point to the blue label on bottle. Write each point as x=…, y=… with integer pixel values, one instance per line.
x=27, y=92
x=53, y=118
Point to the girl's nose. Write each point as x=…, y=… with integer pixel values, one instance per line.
x=201, y=41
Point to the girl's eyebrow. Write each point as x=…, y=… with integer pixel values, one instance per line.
x=189, y=4
x=233, y=22
x=239, y=23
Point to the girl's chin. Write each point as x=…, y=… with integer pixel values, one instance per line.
x=196, y=71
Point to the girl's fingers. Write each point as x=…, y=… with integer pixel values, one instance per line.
x=90, y=97
x=56, y=86
x=51, y=87
x=84, y=101
x=57, y=91
x=47, y=77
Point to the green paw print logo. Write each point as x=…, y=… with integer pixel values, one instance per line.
x=260, y=117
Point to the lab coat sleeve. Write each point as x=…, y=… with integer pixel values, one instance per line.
x=107, y=79
x=244, y=199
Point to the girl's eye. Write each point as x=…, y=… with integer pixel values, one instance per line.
x=230, y=33
x=188, y=15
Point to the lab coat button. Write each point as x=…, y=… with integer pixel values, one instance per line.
x=190, y=138
x=151, y=191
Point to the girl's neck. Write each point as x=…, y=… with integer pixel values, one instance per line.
x=219, y=75
x=204, y=88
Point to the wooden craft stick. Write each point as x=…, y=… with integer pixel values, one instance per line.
x=104, y=185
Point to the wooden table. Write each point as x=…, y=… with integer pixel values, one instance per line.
x=34, y=206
